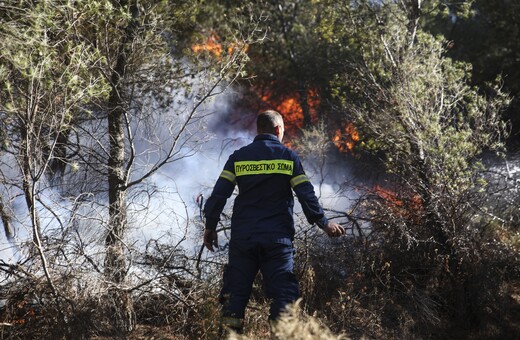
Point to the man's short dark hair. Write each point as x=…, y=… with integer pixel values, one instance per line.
x=267, y=121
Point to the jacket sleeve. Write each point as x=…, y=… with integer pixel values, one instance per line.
x=221, y=192
x=304, y=190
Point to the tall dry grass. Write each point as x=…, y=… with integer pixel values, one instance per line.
x=296, y=324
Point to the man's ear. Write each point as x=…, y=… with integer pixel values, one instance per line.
x=279, y=132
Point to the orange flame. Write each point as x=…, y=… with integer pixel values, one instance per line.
x=291, y=108
x=388, y=195
x=399, y=205
x=212, y=45
x=345, y=139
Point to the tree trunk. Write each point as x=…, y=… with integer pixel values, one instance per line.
x=120, y=303
x=414, y=14
x=115, y=262
x=27, y=185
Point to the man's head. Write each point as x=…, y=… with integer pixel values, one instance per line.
x=270, y=122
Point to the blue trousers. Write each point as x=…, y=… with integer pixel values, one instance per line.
x=273, y=257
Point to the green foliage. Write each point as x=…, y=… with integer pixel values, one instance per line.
x=46, y=71
x=417, y=109
x=84, y=76
x=436, y=252
x=416, y=105
x=485, y=34
x=293, y=61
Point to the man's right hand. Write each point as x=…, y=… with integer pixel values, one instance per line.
x=334, y=230
x=210, y=239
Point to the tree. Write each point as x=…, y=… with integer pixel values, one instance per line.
x=46, y=80
x=417, y=111
x=286, y=73
x=80, y=80
x=131, y=59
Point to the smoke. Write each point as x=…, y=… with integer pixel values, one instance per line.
x=174, y=212
x=12, y=203
x=167, y=206
x=164, y=206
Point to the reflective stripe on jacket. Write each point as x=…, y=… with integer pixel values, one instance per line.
x=266, y=173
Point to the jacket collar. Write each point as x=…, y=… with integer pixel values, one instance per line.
x=267, y=136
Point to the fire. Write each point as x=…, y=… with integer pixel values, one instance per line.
x=345, y=139
x=291, y=108
x=212, y=45
x=389, y=196
x=409, y=207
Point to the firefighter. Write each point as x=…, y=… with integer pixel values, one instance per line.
x=262, y=226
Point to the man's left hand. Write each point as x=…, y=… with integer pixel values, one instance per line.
x=334, y=230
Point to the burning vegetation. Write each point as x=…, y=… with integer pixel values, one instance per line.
x=399, y=204
x=346, y=138
x=212, y=46
x=440, y=266
x=291, y=106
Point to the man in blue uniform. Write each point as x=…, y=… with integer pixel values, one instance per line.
x=262, y=226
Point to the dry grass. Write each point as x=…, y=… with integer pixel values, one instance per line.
x=296, y=324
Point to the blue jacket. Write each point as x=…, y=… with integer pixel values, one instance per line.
x=265, y=172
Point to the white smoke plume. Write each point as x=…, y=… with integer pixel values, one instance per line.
x=163, y=207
